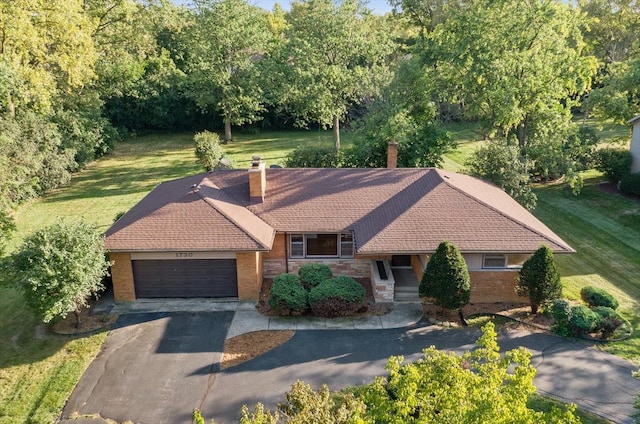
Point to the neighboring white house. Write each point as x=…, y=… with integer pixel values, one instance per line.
x=635, y=144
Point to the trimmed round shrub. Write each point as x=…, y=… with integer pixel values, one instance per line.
x=630, y=184
x=288, y=296
x=583, y=320
x=561, y=313
x=604, y=311
x=340, y=296
x=446, y=278
x=595, y=296
x=314, y=274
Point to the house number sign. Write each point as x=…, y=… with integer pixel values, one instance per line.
x=184, y=254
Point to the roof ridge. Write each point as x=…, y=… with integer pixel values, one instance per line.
x=446, y=181
x=234, y=221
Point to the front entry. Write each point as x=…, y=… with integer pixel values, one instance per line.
x=406, y=286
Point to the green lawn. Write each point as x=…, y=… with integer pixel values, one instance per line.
x=38, y=370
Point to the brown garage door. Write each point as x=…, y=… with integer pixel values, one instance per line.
x=185, y=278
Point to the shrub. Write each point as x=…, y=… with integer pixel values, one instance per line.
x=630, y=184
x=595, y=296
x=208, y=149
x=446, y=278
x=608, y=321
x=314, y=274
x=288, y=296
x=613, y=163
x=561, y=312
x=313, y=157
x=582, y=320
x=340, y=296
x=60, y=267
x=539, y=279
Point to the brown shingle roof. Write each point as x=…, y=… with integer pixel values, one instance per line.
x=185, y=215
x=402, y=210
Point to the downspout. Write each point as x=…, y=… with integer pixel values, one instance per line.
x=286, y=252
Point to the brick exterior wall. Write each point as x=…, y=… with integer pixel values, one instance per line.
x=249, y=270
x=494, y=286
x=278, y=250
x=122, y=277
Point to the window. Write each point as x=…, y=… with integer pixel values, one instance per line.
x=494, y=261
x=297, y=246
x=321, y=245
x=346, y=245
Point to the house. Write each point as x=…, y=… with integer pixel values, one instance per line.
x=635, y=144
x=218, y=234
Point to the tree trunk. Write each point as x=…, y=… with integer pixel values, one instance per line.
x=522, y=135
x=77, y=314
x=11, y=107
x=336, y=131
x=227, y=128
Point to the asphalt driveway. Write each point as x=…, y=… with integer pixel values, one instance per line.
x=153, y=368
x=156, y=368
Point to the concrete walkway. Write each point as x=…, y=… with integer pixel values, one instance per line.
x=247, y=319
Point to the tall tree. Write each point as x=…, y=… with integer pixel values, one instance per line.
x=612, y=36
x=333, y=53
x=513, y=64
x=48, y=46
x=228, y=37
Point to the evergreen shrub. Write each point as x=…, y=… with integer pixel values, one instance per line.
x=340, y=296
x=595, y=296
x=314, y=274
x=288, y=296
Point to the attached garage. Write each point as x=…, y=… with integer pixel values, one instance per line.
x=185, y=278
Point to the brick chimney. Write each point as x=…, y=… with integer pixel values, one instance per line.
x=257, y=180
x=392, y=154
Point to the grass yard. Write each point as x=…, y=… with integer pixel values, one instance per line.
x=604, y=229
x=39, y=370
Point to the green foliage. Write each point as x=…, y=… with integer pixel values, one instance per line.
x=197, y=417
x=208, y=149
x=404, y=112
x=288, y=296
x=331, y=57
x=339, y=296
x=303, y=405
x=314, y=157
x=313, y=274
x=583, y=320
x=223, y=76
x=478, y=386
x=7, y=228
x=596, y=296
x=613, y=163
x=539, y=279
x=503, y=165
x=446, y=278
x=561, y=313
x=60, y=267
x=630, y=184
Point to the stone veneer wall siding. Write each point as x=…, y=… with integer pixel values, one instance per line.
x=249, y=271
x=122, y=277
x=494, y=286
x=356, y=268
